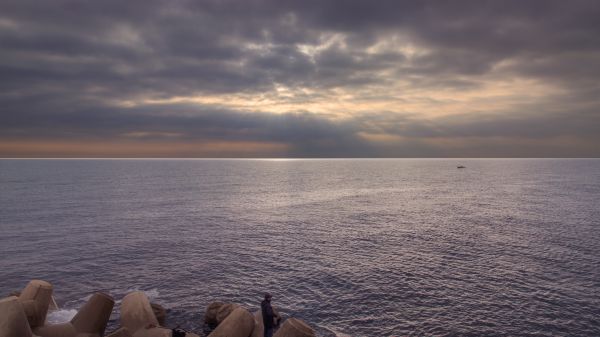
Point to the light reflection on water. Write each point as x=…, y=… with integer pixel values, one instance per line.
x=357, y=247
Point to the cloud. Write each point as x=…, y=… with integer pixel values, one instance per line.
x=319, y=78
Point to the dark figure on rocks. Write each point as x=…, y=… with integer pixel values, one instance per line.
x=268, y=315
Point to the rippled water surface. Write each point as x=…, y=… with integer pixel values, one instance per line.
x=354, y=247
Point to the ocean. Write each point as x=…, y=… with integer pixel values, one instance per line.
x=355, y=247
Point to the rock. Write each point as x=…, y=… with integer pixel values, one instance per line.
x=136, y=312
x=225, y=310
x=121, y=332
x=158, y=332
x=13, y=321
x=210, y=316
x=159, y=312
x=51, y=306
x=293, y=327
x=36, y=298
x=190, y=334
x=90, y=320
x=153, y=332
x=239, y=323
x=94, y=315
x=259, y=328
x=56, y=330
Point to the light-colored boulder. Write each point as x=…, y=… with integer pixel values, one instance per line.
x=293, y=327
x=225, y=310
x=13, y=321
x=36, y=298
x=136, y=312
x=90, y=320
x=239, y=323
x=160, y=312
x=210, y=315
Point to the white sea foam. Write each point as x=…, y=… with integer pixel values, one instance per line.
x=60, y=316
x=335, y=332
x=152, y=293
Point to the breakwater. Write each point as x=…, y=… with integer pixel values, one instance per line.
x=24, y=315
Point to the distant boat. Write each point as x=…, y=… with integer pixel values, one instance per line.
x=460, y=166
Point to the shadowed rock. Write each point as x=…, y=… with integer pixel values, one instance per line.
x=158, y=332
x=13, y=321
x=225, y=310
x=293, y=327
x=210, y=315
x=153, y=332
x=159, y=312
x=36, y=298
x=121, y=332
x=239, y=323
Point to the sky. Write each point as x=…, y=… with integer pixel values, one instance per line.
x=300, y=78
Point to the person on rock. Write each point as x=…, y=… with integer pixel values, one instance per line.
x=269, y=316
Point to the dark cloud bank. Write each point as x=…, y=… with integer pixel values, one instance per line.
x=66, y=67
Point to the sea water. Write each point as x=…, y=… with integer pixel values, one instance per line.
x=355, y=247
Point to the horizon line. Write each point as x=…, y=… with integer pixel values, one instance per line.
x=272, y=158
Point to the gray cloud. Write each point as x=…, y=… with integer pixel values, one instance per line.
x=64, y=63
x=306, y=134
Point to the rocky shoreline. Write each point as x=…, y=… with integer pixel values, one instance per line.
x=24, y=315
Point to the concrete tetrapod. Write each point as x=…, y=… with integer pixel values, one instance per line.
x=259, y=328
x=51, y=306
x=159, y=312
x=239, y=323
x=137, y=316
x=158, y=332
x=36, y=298
x=293, y=327
x=153, y=332
x=13, y=321
x=121, y=332
x=94, y=314
x=136, y=312
x=90, y=320
x=210, y=315
x=225, y=310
